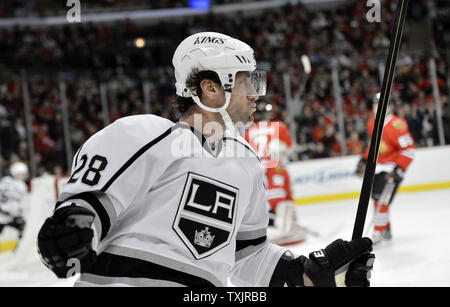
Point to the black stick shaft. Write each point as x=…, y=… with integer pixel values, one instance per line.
x=379, y=118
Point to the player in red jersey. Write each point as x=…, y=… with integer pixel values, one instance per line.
x=395, y=155
x=272, y=141
x=261, y=135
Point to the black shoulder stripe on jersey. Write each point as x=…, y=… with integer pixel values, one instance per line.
x=139, y=153
x=241, y=244
x=95, y=203
x=76, y=155
x=246, y=146
x=245, y=248
x=111, y=265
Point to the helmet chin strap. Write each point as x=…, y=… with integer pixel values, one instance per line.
x=229, y=126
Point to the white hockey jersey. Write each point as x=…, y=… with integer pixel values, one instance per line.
x=12, y=193
x=171, y=207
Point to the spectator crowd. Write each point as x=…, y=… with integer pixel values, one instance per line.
x=34, y=8
x=87, y=56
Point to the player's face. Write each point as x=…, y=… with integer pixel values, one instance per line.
x=243, y=99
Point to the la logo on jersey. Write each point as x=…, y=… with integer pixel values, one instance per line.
x=205, y=218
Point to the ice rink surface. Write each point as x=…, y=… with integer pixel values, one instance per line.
x=417, y=255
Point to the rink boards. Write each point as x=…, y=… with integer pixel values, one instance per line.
x=332, y=179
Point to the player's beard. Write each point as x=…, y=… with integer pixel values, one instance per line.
x=242, y=113
x=251, y=111
x=246, y=118
x=250, y=118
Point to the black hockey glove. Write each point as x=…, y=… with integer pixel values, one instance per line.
x=333, y=266
x=359, y=272
x=66, y=237
x=341, y=263
x=360, y=167
x=396, y=175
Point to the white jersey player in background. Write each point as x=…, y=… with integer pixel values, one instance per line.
x=13, y=190
x=156, y=203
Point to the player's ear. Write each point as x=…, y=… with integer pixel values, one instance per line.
x=209, y=88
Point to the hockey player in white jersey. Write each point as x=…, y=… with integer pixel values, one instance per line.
x=13, y=190
x=156, y=203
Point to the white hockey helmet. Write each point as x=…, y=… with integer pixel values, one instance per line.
x=19, y=170
x=222, y=54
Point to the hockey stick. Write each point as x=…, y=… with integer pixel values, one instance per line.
x=369, y=172
x=306, y=65
x=299, y=103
